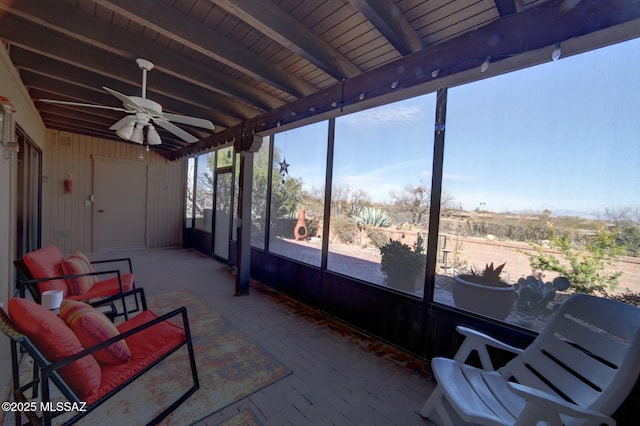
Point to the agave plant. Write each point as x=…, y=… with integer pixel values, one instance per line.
x=372, y=216
x=489, y=276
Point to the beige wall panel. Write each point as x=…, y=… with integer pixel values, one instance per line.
x=67, y=217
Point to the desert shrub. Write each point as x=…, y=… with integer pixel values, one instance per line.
x=587, y=268
x=377, y=237
x=510, y=231
x=344, y=228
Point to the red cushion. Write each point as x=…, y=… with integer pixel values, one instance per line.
x=56, y=341
x=93, y=327
x=108, y=287
x=77, y=264
x=47, y=263
x=146, y=347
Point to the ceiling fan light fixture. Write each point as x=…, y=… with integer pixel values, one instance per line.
x=126, y=131
x=153, y=138
x=137, y=135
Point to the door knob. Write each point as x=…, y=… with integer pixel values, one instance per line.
x=100, y=211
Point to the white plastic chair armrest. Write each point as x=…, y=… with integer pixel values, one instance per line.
x=478, y=341
x=545, y=404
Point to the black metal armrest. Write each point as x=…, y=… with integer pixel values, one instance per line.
x=118, y=260
x=65, y=277
x=111, y=299
x=32, y=284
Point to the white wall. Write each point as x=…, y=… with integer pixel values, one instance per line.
x=67, y=219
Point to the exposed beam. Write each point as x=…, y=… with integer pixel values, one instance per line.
x=274, y=22
x=166, y=20
x=71, y=21
x=392, y=24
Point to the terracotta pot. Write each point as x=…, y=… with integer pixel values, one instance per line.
x=495, y=302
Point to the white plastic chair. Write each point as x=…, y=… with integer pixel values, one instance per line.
x=577, y=371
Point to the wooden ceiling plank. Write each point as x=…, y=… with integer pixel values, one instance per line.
x=519, y=40
x=451, y=14
x=53, y=16
x=441, y=31
x=285, y=29
x=392, y=24
x=87, y=114
x=56, y=47
x=202, y=38
x=71, y=21
x=70, y=117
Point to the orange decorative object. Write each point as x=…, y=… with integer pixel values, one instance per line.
x=300, y=230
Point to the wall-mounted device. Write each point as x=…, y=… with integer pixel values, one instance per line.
x=6, y=128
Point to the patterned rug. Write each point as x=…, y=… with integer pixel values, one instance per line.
x=230, y=367
x=245, y=417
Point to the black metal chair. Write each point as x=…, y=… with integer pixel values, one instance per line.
x=49, y=371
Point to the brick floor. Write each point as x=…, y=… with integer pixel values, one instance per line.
x=340, y=376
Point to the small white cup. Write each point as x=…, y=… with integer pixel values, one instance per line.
x=51, y=299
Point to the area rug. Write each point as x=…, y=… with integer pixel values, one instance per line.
x=231, y=366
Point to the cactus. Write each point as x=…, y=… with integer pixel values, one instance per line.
x=533, y=294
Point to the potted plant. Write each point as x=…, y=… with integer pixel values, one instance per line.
x=533, y=294
x=403, y=266
x=484, y=292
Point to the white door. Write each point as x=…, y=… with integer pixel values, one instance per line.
x=120, y=204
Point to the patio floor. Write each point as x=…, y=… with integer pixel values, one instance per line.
x=340, y=377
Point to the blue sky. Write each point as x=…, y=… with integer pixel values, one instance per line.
x=563, y=136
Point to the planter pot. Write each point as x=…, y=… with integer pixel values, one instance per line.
x=495, y=302
x=406, y=281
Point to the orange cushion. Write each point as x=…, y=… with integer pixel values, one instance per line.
x=77, y=264
x=146, y=347
x=56, y=341
x=93, y=327
x=47, y=263
x=108, y=287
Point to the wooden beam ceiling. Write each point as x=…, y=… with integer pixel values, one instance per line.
x=251, y=66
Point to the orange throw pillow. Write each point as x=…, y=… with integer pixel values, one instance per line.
x=77, y=264
x=93, y=327
x=47, y=263
x=56, y=341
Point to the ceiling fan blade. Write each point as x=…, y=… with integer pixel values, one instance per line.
x=126, y=100
x=80, y=104
x=170, y=127
x=191, y=121
x=123, y=122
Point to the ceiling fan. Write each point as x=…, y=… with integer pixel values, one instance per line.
x=143, y=113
